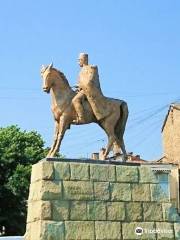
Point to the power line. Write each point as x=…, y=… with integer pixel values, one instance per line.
x=86, y=145
x=136, y=94
x=149, y=116
x=141, y=130
x=145, y=110
x=149, y=135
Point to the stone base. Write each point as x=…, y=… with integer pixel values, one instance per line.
x=96, y=200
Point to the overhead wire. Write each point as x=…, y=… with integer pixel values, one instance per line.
x=147, y=132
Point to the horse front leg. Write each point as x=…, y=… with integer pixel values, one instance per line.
x=56, y=128
x=62, y=127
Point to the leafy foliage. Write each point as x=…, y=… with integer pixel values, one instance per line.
x=18, y=151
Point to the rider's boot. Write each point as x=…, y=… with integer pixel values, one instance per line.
x=79, y=112
x=79, y=120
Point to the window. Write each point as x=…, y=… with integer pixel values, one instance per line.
x=163, y=178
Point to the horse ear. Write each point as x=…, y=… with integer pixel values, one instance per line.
x=50, y=65
x=43, y=68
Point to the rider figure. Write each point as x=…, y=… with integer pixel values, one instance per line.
x=89, y=87
x=77, y=100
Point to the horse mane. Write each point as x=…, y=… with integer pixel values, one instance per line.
x=62, y=76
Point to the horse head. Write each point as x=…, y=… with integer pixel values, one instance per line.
x=53, y=77
x=46, y=74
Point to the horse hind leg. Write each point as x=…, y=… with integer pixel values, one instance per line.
x=124, y=159
x=120, y=128
x=111, y=139
x=109, y=127
x=119, y=148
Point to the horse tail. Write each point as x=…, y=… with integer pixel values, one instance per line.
x=121, y=123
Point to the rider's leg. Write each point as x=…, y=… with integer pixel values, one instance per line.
x=77, y=102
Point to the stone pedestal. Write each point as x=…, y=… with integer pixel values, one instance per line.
x=96, y=200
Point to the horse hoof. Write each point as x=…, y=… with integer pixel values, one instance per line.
x=124, y=159
x=103, y=158
x=49, y=155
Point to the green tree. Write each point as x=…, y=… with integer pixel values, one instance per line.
x=18, y=151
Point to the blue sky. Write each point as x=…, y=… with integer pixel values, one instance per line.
x=134, y=43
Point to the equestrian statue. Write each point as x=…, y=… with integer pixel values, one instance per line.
x=86, y=104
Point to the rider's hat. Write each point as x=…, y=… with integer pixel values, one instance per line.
x=84, y=55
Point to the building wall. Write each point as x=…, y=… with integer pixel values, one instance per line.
x=176, y=134
x=174, y=187
x=171, y=136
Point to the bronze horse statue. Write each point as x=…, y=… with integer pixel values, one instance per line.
x=55, y=83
